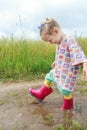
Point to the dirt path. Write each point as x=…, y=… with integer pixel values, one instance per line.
x=19, y=111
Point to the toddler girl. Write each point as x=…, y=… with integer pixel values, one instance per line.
x=68, y=60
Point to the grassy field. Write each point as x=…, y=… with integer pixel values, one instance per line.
x=83, y=43
x=27, y=59
x=24, y=59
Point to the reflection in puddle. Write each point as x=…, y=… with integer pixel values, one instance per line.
x=47, y=117
x=68, y=118
x=78, y=107
x=53, y=116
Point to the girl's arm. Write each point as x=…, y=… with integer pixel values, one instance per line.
x=85, y=70
x=53, y=65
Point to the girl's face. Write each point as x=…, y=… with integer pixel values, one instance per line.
x=53, y=38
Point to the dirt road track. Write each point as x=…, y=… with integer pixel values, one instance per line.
x=18, y=111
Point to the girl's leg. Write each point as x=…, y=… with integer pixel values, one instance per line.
x=45, y=89
x=67, y=99
x=67, y=102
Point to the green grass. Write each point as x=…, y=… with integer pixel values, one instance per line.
x=48, y=119
x=27, y=59
x=20, y=59
x=74, y=125
x=15, y=128
x=83, y=43
x=1, y=102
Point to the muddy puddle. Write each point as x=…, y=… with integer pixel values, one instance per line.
x=19, y=111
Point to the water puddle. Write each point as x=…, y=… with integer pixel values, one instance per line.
x=53, y=116
x=45, y=114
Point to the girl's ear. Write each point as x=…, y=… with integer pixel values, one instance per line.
x=55, y=30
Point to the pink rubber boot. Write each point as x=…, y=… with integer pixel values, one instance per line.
x=67, y=104
x=41, y=93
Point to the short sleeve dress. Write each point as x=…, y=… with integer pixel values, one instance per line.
x=69, y=56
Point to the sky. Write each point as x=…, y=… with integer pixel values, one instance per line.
x=22, y=17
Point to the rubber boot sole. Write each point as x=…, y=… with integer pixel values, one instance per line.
x=34, y=98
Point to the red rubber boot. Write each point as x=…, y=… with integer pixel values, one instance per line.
x=67, y=104
x=41, y=93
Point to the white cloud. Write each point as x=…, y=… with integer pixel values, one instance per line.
x=27, y=34
x=2, y=34
x=30, y=7
x=26, y=15
x=59, y=3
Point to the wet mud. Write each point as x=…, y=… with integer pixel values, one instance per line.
x=19, y=111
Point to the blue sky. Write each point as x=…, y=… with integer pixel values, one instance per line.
x=22, y=17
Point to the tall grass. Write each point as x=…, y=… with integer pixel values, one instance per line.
x=83, y=43
x=23, y=58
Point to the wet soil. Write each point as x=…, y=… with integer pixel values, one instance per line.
x=19, y=111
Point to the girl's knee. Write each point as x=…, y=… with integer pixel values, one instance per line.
x=64, y=92
x=49, y=76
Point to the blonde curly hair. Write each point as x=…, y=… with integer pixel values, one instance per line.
x=48, y=24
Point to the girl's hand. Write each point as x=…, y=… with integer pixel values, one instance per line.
x=53, y=65
x=85, y=70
